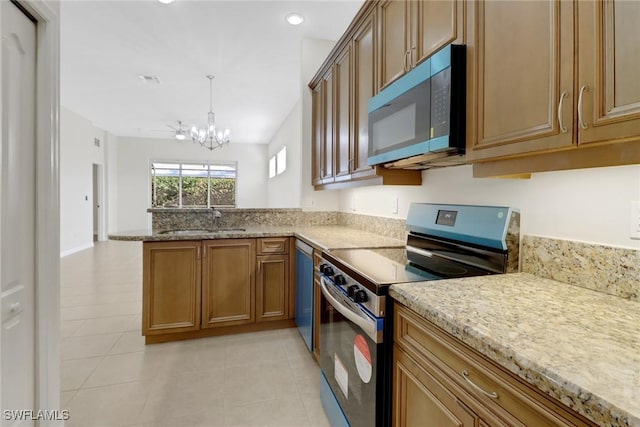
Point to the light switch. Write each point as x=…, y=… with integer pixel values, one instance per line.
x=394, y=205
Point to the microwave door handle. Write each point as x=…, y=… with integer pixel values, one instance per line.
x=369, y=327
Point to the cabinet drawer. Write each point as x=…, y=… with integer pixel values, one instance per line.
x=273, y=245
x=479, y=377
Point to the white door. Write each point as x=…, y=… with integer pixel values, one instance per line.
x=17, y=212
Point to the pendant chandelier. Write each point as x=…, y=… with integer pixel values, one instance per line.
x=208, y=136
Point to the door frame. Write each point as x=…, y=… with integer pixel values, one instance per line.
x=47, y=263
x=100, y=199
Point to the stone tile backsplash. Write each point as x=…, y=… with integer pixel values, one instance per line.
x=612, y=270
x=172, y=219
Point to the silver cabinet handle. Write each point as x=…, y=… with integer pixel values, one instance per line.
x=412, y=58
x=583, y=89
x=407, y=59
x=563, y=95
x=197, y=252
x=465, y=375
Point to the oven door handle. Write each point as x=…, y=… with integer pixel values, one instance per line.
x=368, y=325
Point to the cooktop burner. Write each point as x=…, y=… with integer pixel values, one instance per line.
x=389, y=266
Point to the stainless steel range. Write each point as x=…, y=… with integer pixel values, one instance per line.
x=443, y=242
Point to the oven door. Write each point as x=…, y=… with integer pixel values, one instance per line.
x=351, y=356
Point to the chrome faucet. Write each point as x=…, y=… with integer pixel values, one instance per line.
x=216, y=215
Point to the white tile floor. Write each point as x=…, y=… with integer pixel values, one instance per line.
x=110, y=378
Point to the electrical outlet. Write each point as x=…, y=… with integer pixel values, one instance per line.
x=394, y=205
x=634, y=220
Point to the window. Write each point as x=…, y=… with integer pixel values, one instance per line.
x=193, y=185
x=281, y=161
x=278, y=163
x=272, y=167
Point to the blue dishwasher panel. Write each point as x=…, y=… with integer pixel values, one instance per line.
x=304, y=293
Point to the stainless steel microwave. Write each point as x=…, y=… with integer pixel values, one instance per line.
x=422, y=112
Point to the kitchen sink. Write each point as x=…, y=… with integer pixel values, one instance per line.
x=200, y=231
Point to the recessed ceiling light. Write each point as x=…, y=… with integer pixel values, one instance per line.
x=294, y=18
x=165, y=1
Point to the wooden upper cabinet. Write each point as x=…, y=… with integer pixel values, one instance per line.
x=344, y=124
x=364, y=87
x=411, y=31
x=228, y=282
x=435, y=24
x=608, y=70
x=520, y=75
x=328, y=114
x=317, y=137
x=171, y=287
x=393, y=40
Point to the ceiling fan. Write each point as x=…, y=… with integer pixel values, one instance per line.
x=180, y=132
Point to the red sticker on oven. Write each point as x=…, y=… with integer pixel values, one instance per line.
x=362, y=356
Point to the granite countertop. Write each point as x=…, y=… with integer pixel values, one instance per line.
x=577, y=345
x=322, y=237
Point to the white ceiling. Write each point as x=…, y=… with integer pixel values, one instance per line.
x=253, y=53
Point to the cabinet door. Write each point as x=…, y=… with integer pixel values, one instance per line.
x=343, y=124
x=419, y=399
x=393, y=43
x=272, y=288
x=171, y=287
x=435, y=24
x=328, y=109
x=364, y=87
x=520, y=61
x=228, y=282
x=609, y=70
x=317, y=137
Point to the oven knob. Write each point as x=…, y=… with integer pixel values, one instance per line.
x=360, y=296
x=328, y=271
x=322, y=267
x=351, y=291
x=340, y=280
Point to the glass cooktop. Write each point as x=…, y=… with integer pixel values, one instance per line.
x=389, y=266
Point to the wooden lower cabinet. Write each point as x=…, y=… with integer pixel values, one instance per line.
x=171, y=284
x=317, y=303
x=419, y=399
x=440, y=381
x=202, y=288
x=228, y=282
x=272, y=285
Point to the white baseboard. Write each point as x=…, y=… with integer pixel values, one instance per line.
x=76, y=249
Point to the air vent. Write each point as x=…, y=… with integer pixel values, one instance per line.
x=149, y=79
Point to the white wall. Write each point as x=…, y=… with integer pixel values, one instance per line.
x=313, y=54
x=133, y=174
x=77, y=156
x=284, y=190
x=590, y=205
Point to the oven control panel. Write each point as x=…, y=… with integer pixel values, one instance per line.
x=375, y=304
